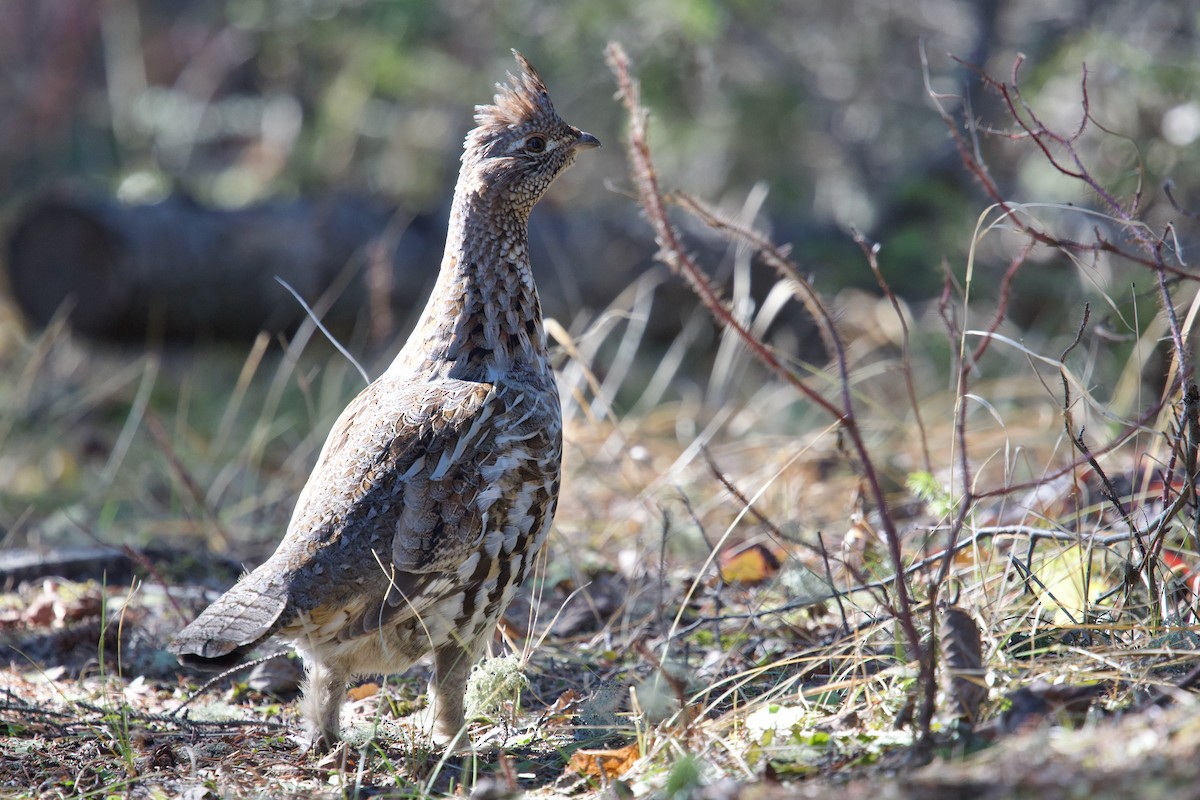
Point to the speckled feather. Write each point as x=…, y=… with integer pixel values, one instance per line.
x=438, y=483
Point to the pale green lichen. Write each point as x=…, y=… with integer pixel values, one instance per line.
x=495, y=685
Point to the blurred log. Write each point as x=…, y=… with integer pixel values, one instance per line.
x=113, y=566
x=176, y=269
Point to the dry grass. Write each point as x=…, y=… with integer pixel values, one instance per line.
x=742, y=588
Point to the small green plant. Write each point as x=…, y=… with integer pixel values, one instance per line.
x=117, y=716
x=684, y=779
x=926, y=488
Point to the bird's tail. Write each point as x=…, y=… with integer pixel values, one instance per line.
x=229, y=628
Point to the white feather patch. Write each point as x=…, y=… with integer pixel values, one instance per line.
x=467, y=568
x=491, y=543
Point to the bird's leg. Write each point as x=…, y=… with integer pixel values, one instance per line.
x=324, y=688
x=452, y=664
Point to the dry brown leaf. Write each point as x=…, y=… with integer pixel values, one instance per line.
x=58, y=603
x=604, y=765
x=1030, y=706
x=42, y=612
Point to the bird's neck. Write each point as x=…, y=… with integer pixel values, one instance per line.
x=483, y=319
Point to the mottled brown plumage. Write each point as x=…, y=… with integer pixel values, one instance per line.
x=438, y=483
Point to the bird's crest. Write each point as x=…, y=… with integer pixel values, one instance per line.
x=522, y=100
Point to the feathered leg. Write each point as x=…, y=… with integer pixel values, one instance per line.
x=452, y=664
x=324, y=689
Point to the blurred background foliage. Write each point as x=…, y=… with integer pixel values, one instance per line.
x=812, y=117
x=826, y=103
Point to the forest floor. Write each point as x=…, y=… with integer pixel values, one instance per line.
x=709, y=621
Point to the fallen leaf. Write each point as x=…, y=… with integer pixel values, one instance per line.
x=1071, y=580
x=137, y=690
x=42, y=611
x=1030, y=706
x=604, y=765
x=749, y=566
x=364, y=691
x=561, y=709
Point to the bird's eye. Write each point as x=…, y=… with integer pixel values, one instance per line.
x=535, y=144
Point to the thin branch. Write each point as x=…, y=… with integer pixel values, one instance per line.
x=1005, y=292
x=870, y=251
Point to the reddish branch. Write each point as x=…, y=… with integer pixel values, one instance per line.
x=1030, y=127
x=672, y=253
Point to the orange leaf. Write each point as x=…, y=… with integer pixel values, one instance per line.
x=1182, y=569
x=604, y=765
x=364, y=691
x=750, y=565
x=1175, y=562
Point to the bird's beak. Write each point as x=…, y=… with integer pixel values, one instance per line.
x=586, y=141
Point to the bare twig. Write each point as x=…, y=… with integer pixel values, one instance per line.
x=211, y=682
x=1031, y=578
x=870, y=251
x=671, y=251
x=1169, y=191
x=837, y=596
x=1002, y=300
x=1138, y=426
x=740, y=496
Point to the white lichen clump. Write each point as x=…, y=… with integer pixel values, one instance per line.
x=495, y=684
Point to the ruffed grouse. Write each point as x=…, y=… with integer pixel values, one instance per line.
x=437, y=484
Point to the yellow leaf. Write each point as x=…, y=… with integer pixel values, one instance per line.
x=1073, y=579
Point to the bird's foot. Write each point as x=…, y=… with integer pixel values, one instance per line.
x=320, y=743
x=340, y=758
x=452, y=738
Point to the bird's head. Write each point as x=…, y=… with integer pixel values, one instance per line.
x=520, y=144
